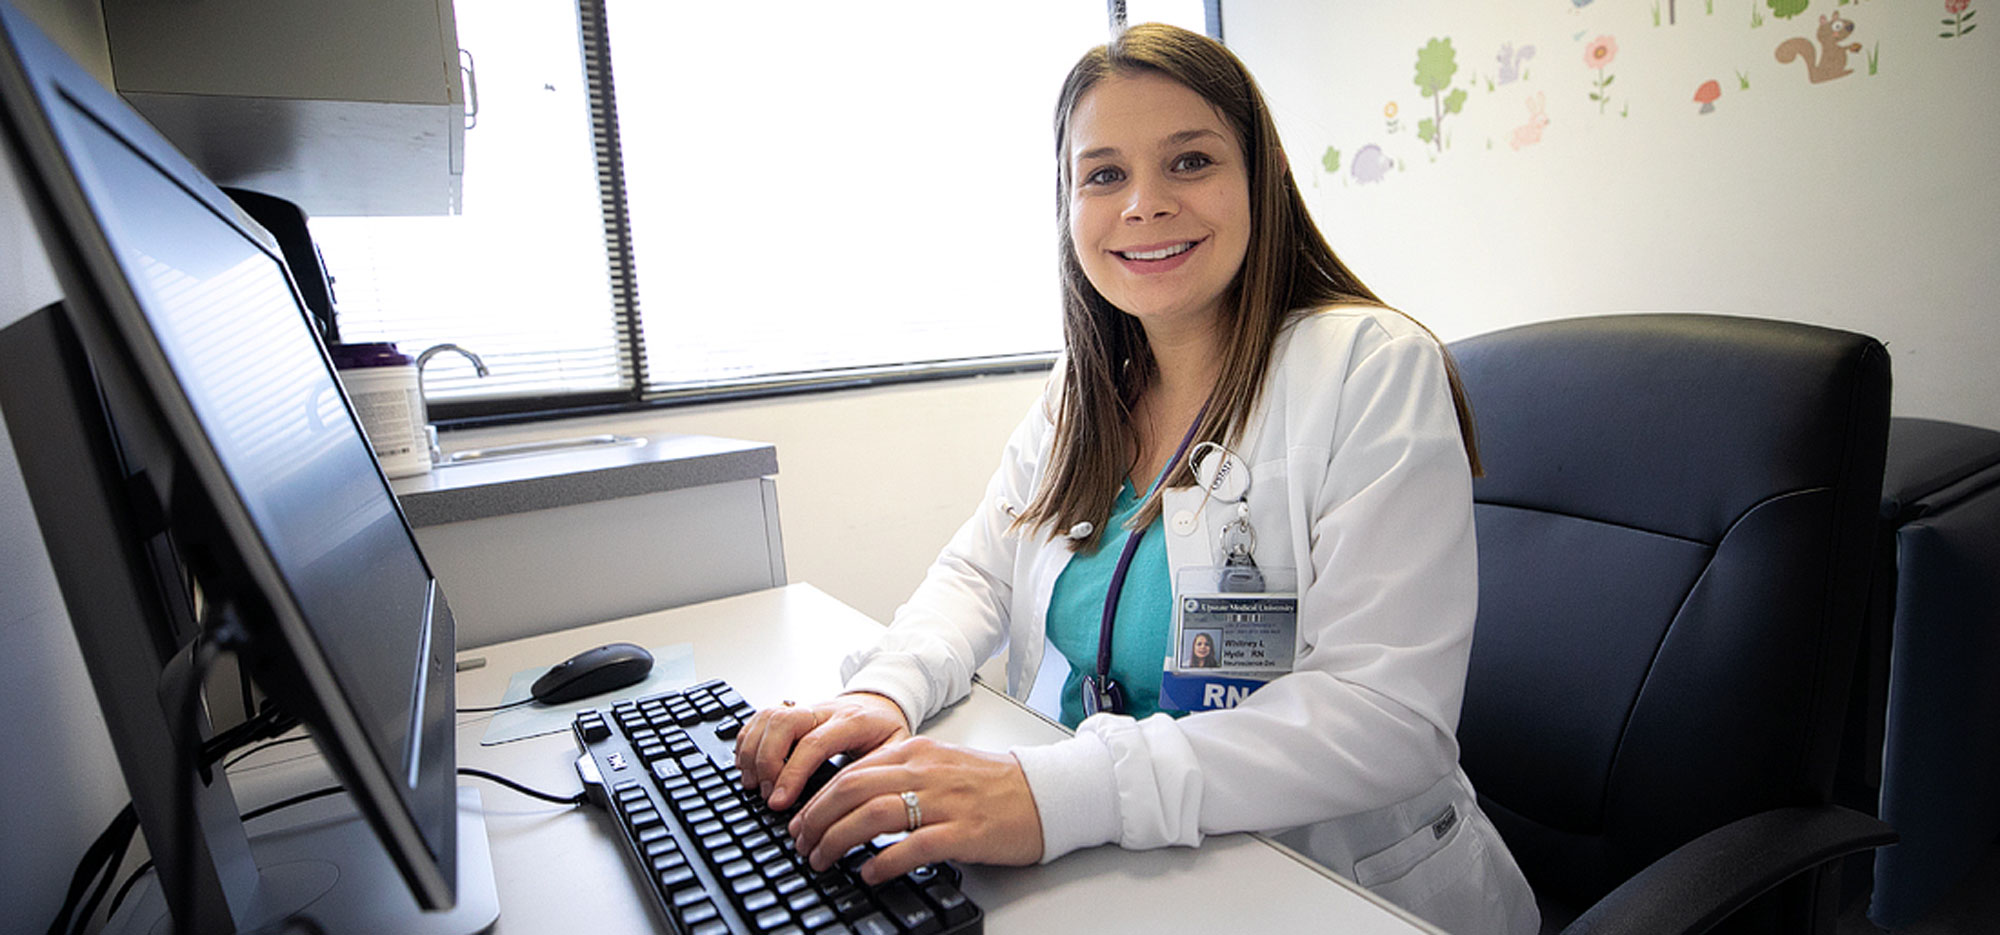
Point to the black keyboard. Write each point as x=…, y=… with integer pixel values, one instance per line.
x=716, y=858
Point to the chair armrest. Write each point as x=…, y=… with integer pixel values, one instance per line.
x=1701, y=882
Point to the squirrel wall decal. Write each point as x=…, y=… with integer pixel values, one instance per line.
x=1831, y=60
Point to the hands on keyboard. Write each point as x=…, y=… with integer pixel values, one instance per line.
x=717, y=859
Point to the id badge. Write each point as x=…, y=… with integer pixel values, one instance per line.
x=1246, y=632
x=1228, y=639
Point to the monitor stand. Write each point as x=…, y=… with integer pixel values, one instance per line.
x=328, y=864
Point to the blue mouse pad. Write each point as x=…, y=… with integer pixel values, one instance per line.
x=673, y=667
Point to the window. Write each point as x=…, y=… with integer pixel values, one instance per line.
x=780, y=194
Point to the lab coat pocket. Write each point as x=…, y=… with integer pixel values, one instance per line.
x=1411, y=871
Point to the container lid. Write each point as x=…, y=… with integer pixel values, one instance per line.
x=367, y=354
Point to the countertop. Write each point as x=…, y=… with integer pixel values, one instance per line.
x=470, y=490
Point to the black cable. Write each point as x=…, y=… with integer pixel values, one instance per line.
x=577, y=799
x=303, y=797
x=498, y=707
x=253, y=751
x=95, y=862
x=111, y=865
x=126, y=887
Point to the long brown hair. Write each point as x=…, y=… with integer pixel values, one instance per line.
x=1288, y=270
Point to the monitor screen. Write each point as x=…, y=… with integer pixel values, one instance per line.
x=184, y=307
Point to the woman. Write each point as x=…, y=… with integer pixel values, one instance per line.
x=1202, y=311
x=1201, y=652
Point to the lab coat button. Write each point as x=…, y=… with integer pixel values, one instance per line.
x=1183, y=523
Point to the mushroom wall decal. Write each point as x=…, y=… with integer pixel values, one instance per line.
x=1706, y=95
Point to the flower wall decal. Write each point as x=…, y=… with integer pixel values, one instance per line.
x=1600, y=52
x=1960, y=22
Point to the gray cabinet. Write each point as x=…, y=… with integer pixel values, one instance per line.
x=533, y=544
x=345, y=107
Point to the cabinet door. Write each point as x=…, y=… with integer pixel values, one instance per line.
x=345, y=107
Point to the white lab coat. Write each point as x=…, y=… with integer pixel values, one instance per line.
x=1359, y=481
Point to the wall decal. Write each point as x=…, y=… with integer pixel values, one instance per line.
x=1958, y=25
x=1786, y=9
x=1436, y=64
x=1707, y=94
x=1510, y=62
x=1370, y=165
x=1601, y=51
x=1389, y=122
x=1331, y=160
x=1830, y=62
x=1530, y=133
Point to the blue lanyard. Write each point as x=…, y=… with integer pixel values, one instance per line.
x=1102, y=693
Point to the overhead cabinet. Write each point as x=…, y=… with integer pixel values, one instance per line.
x=347, y=107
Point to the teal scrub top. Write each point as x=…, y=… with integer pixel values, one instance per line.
x=1142, y=635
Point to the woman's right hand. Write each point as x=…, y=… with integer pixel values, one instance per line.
x=780, y=746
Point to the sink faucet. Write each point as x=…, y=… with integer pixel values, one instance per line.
x=478, y=366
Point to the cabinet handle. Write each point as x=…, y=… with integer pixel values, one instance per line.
x=467, y=68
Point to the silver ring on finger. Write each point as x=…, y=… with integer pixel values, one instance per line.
x=912, y=811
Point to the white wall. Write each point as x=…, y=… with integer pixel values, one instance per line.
x=1866, y=202
x=58, y=774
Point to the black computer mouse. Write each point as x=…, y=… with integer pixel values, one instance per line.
x=593, y=672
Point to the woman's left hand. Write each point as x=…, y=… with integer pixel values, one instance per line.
x=975, y=806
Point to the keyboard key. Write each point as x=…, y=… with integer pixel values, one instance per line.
x=908, y=909
x=688, y=896
x=759, y=901
x=772, y=918
x=737, y=868
x=699, y=912
x=711, y=927
x=817, y=917
x=852, y=860
x=852, y=905
x=874, y=924
x=803, y=900
x=676, y=876
x=951, y=903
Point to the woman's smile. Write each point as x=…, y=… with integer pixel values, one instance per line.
x=1159, y=258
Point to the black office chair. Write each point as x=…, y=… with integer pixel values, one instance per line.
x=1928, y=754
x=1674, y=541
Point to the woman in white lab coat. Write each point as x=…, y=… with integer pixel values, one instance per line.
x=1204, y=318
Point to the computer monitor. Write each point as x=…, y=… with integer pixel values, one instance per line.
x=201, y=483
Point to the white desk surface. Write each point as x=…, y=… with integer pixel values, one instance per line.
x=558, y=869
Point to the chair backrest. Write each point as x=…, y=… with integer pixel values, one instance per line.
x=1675, y=529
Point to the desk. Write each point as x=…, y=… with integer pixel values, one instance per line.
x=558, y=870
